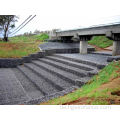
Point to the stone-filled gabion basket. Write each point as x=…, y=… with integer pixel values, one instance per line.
x=13, y=62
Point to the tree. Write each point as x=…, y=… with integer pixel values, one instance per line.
x=7, y=22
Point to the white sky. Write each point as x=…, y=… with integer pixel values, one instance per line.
x=64, y=14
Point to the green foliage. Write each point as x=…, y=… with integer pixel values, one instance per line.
x=7, y=22
x=29, y=39
x=97, y=80
x=101, y=41
x=42, y=37
x=17, y=50
x=101, y=93
x=99, y=102
x=21, y=46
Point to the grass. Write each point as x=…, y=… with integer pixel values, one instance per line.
x=20, y=46
x=99, y=102
x=97, y=91
x=101, y=41
x=29, y=39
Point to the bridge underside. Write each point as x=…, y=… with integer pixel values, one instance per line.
x=85, y=38
x=85, y=34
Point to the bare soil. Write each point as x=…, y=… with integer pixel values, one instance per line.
x=102, y=49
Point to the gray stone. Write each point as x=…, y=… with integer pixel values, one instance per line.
x=10, y=62
x=11, y=91
x=111, y=58
x=49, y=77
x=34, y=56
x=26, y=59
x=89, y=59
x=57, y=47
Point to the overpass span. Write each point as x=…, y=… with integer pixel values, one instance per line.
x=85, y=34
x=96, y=30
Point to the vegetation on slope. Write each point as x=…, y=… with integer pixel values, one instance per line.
x=101, y=41
x=29, y=38
x=21, y=46
x=103, y=88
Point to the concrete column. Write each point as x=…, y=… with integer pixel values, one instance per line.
x=116, y=48
x=83, y=47
x=52, y=35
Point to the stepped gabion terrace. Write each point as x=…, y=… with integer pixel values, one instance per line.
x=41, y=78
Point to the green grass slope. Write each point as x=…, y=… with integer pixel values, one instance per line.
x=20, y=46
x=97, y=91
x=101, y=41
x=29, y=39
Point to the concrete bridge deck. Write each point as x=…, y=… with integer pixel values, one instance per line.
x=98, y=30
x=85, y=34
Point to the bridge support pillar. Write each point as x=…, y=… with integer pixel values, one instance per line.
x=116, y=48
x=83, y=47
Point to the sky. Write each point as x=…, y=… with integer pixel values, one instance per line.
x=61, y=14
x=46, y=23
x=65, y=14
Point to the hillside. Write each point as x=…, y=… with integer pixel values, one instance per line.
x=29, y=38
x=102, y=89
x=21, y=46
x=100, y=41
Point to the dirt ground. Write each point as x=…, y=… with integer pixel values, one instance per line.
x=114, y=97
x=102, y=49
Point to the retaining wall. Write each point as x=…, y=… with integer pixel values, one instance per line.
x=13, y=62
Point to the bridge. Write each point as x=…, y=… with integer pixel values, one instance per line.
x=85, y=34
